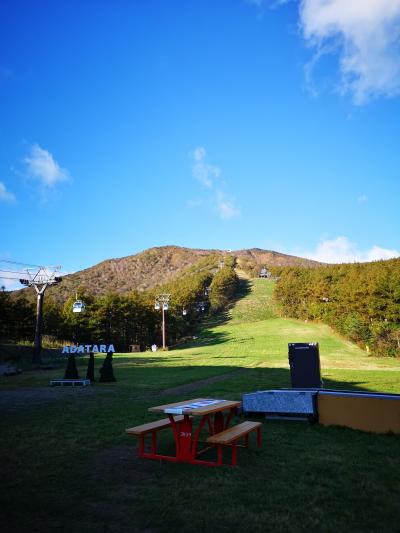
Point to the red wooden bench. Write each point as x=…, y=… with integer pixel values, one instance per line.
x=230, y=436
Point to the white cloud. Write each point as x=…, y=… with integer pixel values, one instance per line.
x=41, y=165
x=199, y=153
x=342, y=250
x=270, y=4
x=208, y=175
x=6, y=196
x=10, y=284
x=226, y=208
x=376, y=253
x=366, y=34
x=203, y=172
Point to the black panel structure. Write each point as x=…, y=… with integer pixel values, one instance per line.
x=305, y=369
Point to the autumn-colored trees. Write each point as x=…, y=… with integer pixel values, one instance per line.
x=17, y=318
x=361, y=301
x=223, y=287
x=130, y=318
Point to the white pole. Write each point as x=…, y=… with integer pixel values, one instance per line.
x=163, y=326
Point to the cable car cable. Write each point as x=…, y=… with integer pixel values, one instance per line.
x=18, y=263
x=28, y=264
x=12, y=271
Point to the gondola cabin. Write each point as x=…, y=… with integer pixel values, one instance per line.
x=78, y=307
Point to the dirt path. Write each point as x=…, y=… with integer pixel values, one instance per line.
x=189, y=387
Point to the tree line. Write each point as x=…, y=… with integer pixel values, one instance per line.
x=361, y=301
x=126, y=319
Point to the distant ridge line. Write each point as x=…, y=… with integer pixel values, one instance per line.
x=159, y=265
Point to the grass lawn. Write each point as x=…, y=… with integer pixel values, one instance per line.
x=67, y=464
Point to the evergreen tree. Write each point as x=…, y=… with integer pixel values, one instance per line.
x=90, y=368
x=71, y=371
x=106, y=371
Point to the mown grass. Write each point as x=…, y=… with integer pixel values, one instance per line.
x=68, y=466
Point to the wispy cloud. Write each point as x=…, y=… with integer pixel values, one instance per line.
x=272, y=4
x=226, y=208
x=41, y=165
x=199, y=153
x=365, y=34
x=6, y=196
x=342, y=250
x=204, y=173
x=362, y=199
x=209, y=176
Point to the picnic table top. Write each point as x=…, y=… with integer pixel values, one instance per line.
x=197, y=406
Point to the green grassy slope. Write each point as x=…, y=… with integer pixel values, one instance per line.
x=253, y=336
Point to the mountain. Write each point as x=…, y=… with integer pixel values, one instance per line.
x=269, y=258
x=159, y=265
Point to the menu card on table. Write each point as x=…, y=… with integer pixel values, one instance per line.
x=181, y=409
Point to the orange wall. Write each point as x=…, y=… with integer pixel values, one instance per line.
x=379, y=415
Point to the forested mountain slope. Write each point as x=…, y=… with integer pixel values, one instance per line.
x=157, y=266
x=360, y=300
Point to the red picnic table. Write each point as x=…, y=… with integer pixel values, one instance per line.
x=215, y=415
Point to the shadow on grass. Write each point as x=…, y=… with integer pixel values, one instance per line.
x=207, y=336
x=235, y=381
x=21, y=355
x=243, y=290
x=253, y=379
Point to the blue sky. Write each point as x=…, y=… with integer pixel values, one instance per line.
x=231, y=124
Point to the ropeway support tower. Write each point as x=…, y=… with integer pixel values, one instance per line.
x=40, y=278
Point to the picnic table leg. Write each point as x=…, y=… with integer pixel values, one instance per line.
x=259, y=437
x=218, y=422
x=184, y=438
x=234, y=454
x=246, y=440
x=175, y=431
x=203, y=420
x=229, y=417
x=153, y=442
x=141, y=445
x=219, y=459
